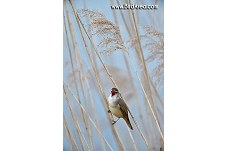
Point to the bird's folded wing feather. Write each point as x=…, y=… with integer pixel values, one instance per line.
x=123, y=107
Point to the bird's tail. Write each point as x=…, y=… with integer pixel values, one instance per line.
x=128, y=122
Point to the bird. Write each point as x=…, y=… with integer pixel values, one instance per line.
x=118, y=107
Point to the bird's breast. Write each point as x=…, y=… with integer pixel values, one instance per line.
x=114, y=106
x=116, y=111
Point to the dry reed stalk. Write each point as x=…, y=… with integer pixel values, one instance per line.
x=146, y=74
x=92, y=52
x=113, y=82
x=131, y=31
x=133, y=141
x=125, y=22
x=70, y=133
x=70, y=52
x=121, y=146
x=86, y=107
x=136, y=98
x=116, y=86
x=94, y=110
x=150, y=34
x=88, y=129
x=130, y=76
x=114, y=14
x=75, y=121
x=71, y=63
x=86, y=123
x=98, y=81
x=140, y=111
x=66, y=136
x=94, y=83
x=155, y=44
x=68, y=139
x=84, y=98
x=89, y=117
x=129, y=19
x=91, y=99
x=136, y=48
x=110, y=76
x=142, y=57
x=156, y=91
x=138, y=104
x=90, y=95
x=159, y=128
x=137, y=11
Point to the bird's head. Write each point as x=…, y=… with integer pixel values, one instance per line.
x=114, y=91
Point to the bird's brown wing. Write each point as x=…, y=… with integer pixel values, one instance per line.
x=124, y=110
x=123, y=107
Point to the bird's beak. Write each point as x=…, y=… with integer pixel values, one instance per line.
x=113, y=93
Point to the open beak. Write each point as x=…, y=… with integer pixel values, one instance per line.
x=113, y=92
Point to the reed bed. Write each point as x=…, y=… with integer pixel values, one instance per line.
x=99, y=56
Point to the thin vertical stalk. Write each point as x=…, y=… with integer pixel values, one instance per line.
x=130, y=31
x=91, y=98
x=75, y=121
x=98, y=81
x=142, y=55
x=71, y=65
x=86, y=107
x=92, y=52
x=136, y=48
x=145, y=70
x=114, y=14
x=129, y=26
x=133, y=141
x=89, y=117
x=156, y=91
x=138, y=104
x=128, y=71
x=110, y=76
x=125, y=22
x=69, y=132
x=71, y=60
x=70, y=55
x=68, y=139
x=159, y=128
